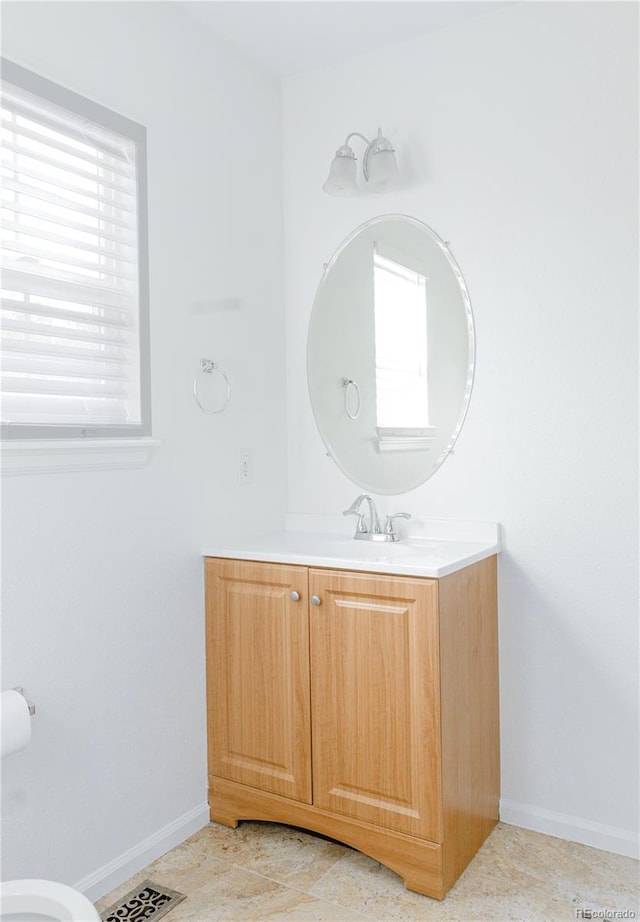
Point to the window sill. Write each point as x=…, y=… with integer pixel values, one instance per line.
x=403, y=444
x=405, y=439
x=61, y=456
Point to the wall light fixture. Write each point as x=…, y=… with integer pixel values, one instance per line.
x=379, y=167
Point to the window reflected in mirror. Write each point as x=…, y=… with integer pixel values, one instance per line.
x=401, y=354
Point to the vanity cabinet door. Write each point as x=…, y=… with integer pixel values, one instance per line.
x=375, y=700
x=258, y=676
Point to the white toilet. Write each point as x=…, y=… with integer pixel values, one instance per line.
x=44, y=901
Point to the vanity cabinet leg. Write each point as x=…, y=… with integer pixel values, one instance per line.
x=220, y=816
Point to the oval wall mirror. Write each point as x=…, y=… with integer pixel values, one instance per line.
x=390, y=354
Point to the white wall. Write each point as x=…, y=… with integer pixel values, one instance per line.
x=103, y=615
x=517, y=133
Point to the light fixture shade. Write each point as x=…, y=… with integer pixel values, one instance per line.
x=383, y=171
x=342, y=175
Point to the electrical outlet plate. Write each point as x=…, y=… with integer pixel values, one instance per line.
x=245, y=466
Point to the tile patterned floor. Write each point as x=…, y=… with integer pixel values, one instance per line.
x=263, y=871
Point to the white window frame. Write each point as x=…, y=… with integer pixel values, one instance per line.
x=21, y=440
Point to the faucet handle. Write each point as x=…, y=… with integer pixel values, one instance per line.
x=388, y=528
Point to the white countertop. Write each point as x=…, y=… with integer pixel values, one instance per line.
x=411, y=556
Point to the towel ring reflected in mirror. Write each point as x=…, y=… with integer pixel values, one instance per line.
x=208, y=367
x=351, y=386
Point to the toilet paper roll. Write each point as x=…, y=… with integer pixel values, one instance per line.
x=15, y=722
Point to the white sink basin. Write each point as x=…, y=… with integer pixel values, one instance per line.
x=409, y=557
x=374, y=550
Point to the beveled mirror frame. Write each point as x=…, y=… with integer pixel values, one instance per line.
x=463, y=304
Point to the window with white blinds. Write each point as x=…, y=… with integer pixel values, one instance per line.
x=74, y=265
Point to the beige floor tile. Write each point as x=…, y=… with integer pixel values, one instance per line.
x=295, y=858
x=309, y=909
x=222, y=891
x=238, y=894
x=517, y=875
x=264, y=872
x=190, y=858
x=519, y=861
x=360, y=883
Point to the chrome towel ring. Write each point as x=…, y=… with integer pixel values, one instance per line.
x=350, y=385
x=208, y=367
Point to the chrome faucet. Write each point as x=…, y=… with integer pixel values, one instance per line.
x=373, y=531
x=374, y=521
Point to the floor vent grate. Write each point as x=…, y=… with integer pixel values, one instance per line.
x=146, y=901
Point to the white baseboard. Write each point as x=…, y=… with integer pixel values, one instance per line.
x=111, y=875
x=574, y=828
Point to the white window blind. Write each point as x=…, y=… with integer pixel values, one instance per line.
x=74, y=283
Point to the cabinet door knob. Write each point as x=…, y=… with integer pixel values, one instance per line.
x=294, y=596
x=315, y=600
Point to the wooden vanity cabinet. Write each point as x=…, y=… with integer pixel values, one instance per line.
x=259, y=730
x=358, y=705
x=376, y=728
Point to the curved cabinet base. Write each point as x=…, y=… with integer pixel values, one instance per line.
x=418, y=862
